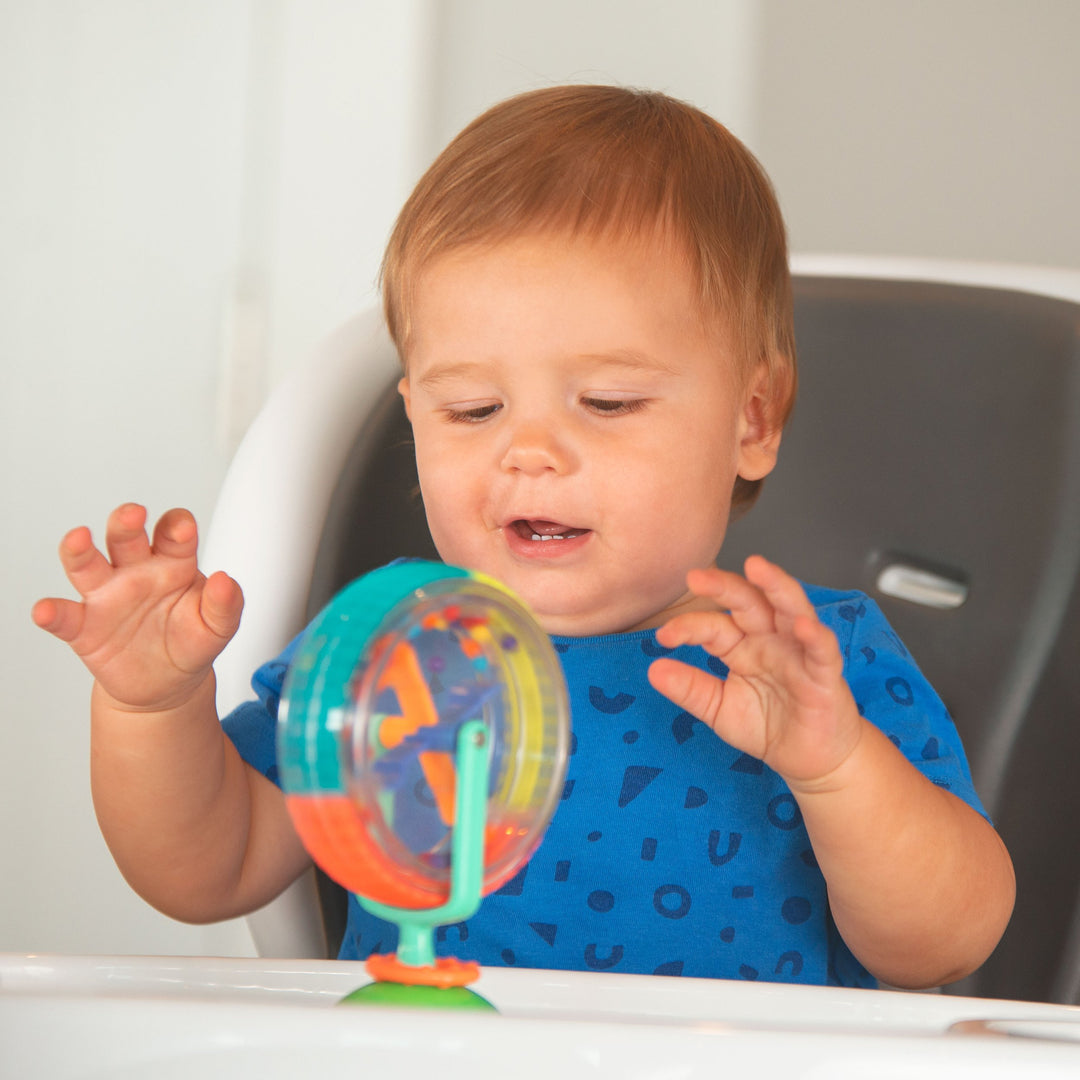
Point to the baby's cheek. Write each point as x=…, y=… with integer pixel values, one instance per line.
x=457, y=528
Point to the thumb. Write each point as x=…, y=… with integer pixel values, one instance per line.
x=691, y=689
x=221, y=604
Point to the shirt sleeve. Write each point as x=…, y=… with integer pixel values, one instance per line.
x=893, y=694
x=252, y=727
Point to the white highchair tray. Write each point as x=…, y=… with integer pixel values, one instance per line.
x=126, y=1017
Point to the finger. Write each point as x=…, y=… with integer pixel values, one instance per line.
x=125, y=535
x=86, y=568
x=797, y=615
x=210, y=611
x=714, y=631
x=690, y=688
x=746, y=603
x=821, y=650
x=221, y=603
x=176, y=535
x=782, y=591
x=61, y=618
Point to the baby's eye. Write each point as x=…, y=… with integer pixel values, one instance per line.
x=472, y=415
x=614, y=406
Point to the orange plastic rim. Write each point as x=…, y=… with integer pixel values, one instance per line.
x=446, y=973
x=332, y=830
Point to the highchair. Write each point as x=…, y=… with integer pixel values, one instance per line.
x=933, y=460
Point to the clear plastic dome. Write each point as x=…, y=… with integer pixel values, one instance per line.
x=379, y=689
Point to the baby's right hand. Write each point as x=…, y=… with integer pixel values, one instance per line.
x=149, y=624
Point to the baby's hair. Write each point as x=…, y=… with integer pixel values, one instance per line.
x=604, y=162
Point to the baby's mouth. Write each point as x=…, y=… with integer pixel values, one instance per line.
x=545, y=531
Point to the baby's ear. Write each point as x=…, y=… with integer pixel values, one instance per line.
x=762, y=422
x=403, y=390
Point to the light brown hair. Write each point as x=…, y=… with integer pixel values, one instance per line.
x=609, y=162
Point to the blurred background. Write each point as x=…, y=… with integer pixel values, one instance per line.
x=194, y=192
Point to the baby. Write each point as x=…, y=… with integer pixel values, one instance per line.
x=590, y=296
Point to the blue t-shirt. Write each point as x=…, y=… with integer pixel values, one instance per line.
x=671, y=852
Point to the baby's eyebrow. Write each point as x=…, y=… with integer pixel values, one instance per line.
x=631, y=360
x=441, y=373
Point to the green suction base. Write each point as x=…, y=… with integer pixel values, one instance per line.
x=417, y=997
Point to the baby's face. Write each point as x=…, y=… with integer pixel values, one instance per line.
x=578, y=431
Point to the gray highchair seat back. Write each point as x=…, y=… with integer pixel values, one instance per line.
x=933, y=460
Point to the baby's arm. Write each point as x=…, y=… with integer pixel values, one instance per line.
x=195, y=831
x=920, y=885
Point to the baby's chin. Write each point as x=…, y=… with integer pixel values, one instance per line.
x=562, y=607
x=618, y=620
x=593, y=623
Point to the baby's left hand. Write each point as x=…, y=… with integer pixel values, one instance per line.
x=785, y=700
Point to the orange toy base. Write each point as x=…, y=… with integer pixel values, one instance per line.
x=447, y=971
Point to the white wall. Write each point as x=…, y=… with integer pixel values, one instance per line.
x=924, y=127
x=121, y=124
x=703, y=51
x=187, y=180
x=160, y=161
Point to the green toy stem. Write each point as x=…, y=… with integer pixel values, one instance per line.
x=416, y=927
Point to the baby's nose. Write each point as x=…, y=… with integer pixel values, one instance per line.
x=537, y=446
